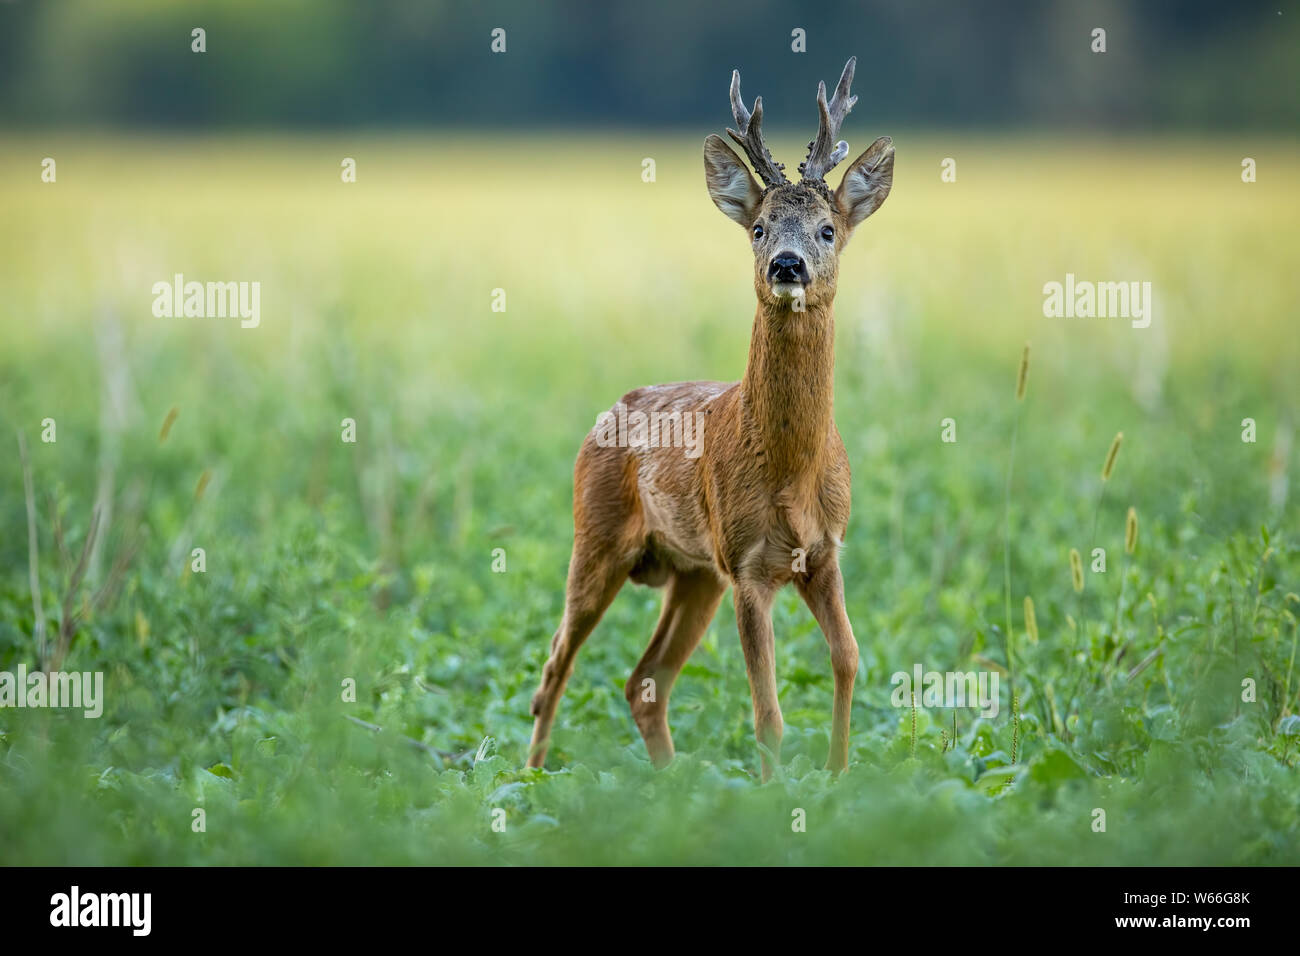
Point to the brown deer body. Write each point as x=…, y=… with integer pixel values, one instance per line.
x=766, y=501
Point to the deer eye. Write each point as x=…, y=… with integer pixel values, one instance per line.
x=828, y=233
x=758, y=232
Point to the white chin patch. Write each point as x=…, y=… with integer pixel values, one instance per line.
x=788, y=290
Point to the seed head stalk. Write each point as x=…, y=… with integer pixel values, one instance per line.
x=1022, y=381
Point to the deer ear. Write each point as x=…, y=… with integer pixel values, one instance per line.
x=730, y=185
x=867, y=182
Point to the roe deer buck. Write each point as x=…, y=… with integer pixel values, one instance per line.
x=767, y=500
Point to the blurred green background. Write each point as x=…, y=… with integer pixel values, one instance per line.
x=373, y=561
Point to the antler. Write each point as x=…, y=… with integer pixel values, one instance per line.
x=750, y=137
x=822, y=158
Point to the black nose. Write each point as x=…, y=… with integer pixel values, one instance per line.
x=787, y=267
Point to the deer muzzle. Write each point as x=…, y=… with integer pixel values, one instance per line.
x=786, y=268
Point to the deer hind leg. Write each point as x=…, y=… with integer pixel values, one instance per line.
x=690, y=601
x=823, y=591
x=754, y=621
x=595, y=576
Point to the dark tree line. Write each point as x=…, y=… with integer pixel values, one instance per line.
x=634, y=63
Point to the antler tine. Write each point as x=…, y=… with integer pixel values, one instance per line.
x=823, y=152
x=750, y=137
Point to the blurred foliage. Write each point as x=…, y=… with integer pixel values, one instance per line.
x=1171, y=63
x=328, y=561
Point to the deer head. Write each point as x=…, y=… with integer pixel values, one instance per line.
x=797, y=229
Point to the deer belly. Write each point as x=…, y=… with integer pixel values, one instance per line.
x=677, y=526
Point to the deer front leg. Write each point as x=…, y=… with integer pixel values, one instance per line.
x=823, y=591
x=754, y=621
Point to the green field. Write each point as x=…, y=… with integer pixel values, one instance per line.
x=373, y=561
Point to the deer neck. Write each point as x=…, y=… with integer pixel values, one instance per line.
x=788, y=387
